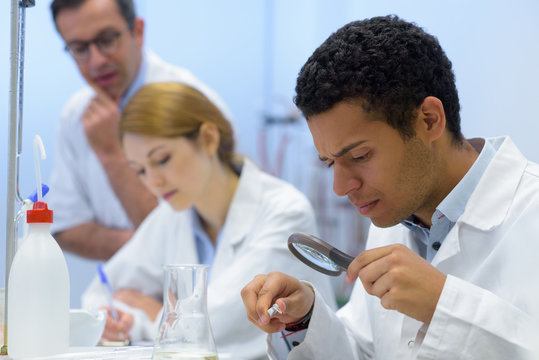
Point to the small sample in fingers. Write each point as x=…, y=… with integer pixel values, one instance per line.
x=273, y=310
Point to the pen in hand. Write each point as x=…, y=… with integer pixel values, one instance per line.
x=112, y=309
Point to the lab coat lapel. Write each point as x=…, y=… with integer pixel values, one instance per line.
x=488, y=206
x=188, y=251
x=241, y=216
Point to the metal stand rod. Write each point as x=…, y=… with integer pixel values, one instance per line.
x=18, y=15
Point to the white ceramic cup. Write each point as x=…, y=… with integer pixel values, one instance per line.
x=86, y=327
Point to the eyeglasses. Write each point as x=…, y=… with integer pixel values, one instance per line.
x=107, y=43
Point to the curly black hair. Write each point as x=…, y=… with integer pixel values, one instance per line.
x=387, y=64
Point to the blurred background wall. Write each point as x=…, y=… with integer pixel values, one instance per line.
x=251, y=51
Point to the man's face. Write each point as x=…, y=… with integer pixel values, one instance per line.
x=385, y=177
x=98, y=19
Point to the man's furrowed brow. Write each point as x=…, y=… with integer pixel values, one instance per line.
x=343, y=151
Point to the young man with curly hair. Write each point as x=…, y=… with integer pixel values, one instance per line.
x=454, y=220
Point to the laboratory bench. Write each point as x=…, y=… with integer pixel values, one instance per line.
x=101, y=352
x=106, y=353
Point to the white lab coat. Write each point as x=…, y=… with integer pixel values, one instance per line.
x=263, y=213
x=80, y=190
x=489, y=304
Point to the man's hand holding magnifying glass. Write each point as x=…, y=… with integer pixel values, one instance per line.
x=401, y=279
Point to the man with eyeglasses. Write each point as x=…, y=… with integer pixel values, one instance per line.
x=97, y=198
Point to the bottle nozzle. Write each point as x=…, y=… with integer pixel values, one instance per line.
x=39, y=151
x=40, y=213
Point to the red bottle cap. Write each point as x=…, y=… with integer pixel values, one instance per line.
x=39, y=214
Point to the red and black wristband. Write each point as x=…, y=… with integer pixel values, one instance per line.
x=301, y=324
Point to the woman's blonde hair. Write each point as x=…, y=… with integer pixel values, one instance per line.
x=172, y=109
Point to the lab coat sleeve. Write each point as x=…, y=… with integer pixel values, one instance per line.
x=141, y=322
x=138, y=266
x=67, y=196
x=473, y=323
x=96, y=298
x=342, y=335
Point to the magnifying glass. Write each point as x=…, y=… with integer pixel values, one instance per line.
x=318, y=254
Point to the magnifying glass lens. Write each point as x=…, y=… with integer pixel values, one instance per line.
x=318, y=254
x=316, y=257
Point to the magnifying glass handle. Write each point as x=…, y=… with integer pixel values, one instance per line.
x=340, y=258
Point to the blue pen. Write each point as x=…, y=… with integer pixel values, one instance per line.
x=105, y=282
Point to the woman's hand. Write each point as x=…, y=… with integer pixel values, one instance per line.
x=138, y=300
x=117, y=331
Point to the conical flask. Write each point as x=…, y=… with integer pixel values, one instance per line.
x=185, y=330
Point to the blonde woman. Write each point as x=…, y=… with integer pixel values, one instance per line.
x=217, y=208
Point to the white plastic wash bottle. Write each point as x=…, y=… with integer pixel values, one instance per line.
x=38, y=292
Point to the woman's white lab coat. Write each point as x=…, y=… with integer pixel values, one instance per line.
x=263, y=213
x=489, y=305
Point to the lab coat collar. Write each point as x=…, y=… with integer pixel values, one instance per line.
x=245, y=204
x=137, y=83
x=488, y=206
